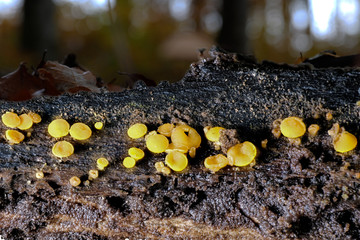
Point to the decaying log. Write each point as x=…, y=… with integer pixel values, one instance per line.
x=294, y=191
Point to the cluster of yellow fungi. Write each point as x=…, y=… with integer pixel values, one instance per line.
x=59, y=128
x=240, y=155
x=176, y=140
x=294, y=128
x=23, y=122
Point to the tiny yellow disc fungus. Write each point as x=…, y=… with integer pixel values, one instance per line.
x=99, y=125
x=75, y=181
x=63, y=149
x=26, y=122
x=329, y=116
x=14, y=136
x=213, y=134
x=181, y=139
x=192, y=152
x=58, y=128
x=172, y=147
x=80, y=131
x=177, y=161
x=344, y=142
x=165, y=170
x=313, y=130
x=159, y=166
x=39, y=174
x=129, y=162
x=157, y=143
x=166, y=129
x=292, y=127
x=93, y=174
x=10, y=119
x=137, y=130
x=136, y=153
x=241, y=154
x=35, y=117
x=215, y=163
x=102, y=163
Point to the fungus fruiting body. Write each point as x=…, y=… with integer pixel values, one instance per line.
x=292, y=127
x=136, y=153
x=26, y=122
x=63, y=149
x=102, y=163
x=39, y=174
x=75, y=181
x=180, y=139
x=93, y=174
x=80, y=131
x=213, y=133
x=35, y=117
x=161, y=168
x=177, y=161
x=14, y=136
x=166, y=129
x=58, y=128
x=215, y=163
x=344, y=142
x=99, y=125
x=10, y=119
x=157, y=143
x=313, y=130
x=129, y=162
x=137, y=130
x=241, y=154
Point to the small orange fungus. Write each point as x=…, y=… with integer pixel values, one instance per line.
x=157, y=143
x=75, y=181
x=102, y=163
x=166, y=129
x=58, y=128
x=26, y=122
x=39, y=174
x=10, y=119
x=80, y=131
x=129, y=162
x=137, y=130
x=215, y=163
x=313, y=129
x=14, y=136
x=63, y=149
x=329, y=116
x=35, y=117
x=241, y=154
x=99, y=125
x=93, y=174
x=136, y=153
x=344, y=142
x=213, y=134
x=292, y=127
x=177, y=161
x=181, y=139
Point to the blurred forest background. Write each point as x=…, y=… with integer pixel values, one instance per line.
x=161, y=38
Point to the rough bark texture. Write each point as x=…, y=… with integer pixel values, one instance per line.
x=305, y=191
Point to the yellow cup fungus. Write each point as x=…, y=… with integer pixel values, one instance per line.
x=161, y=168
x=313, y=130
x=39, y=174
x=241, y=154
x=63, y=149
x=292, y=127
x=36, y=118
x=166, y=129
x=344, y=142
x=177, y=161
x=26, y=122
x=215, y=163
x=172, y=147
x=99, y=125
x=14, y=136
x=157, y=143
x=137, y=130
x=136, y=153
x=102, y=163
x=329, y=116
x=129, y=162
x=75, y=181
x=80, y=131
x=213, y=133
x=10, y=119
x=58, y=128
x=93, y=174
x=180, y=139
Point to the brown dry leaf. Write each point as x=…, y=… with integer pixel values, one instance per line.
x=67, y=79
